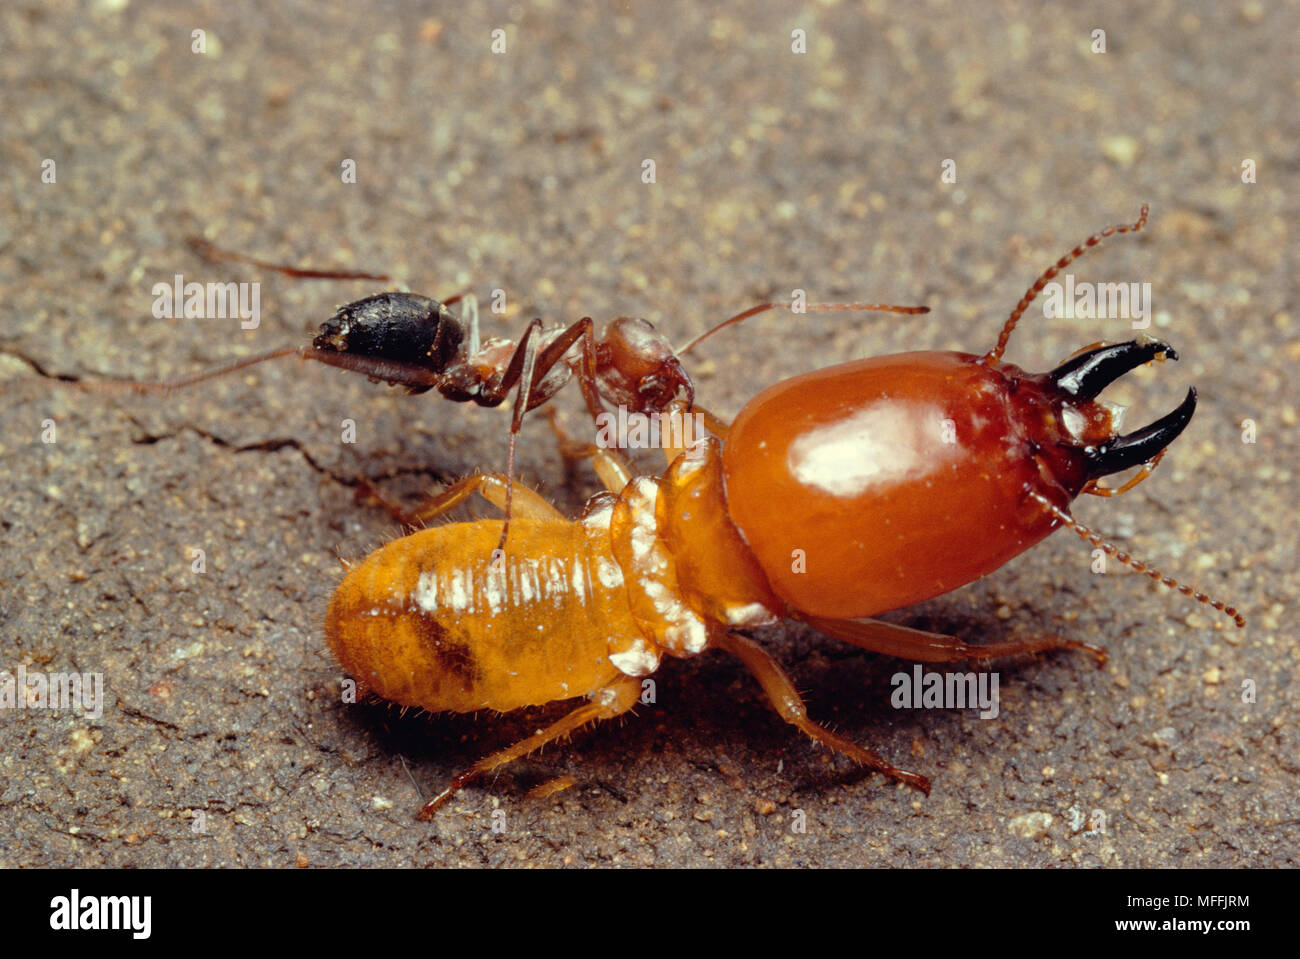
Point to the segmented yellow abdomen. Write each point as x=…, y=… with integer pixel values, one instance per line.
x=429, y=620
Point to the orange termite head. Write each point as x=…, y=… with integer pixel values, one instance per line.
x=883, y=482
x=638, y=368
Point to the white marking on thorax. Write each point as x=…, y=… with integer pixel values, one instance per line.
x=683, y=632
x=749, y=614
x=637, y=660
x=608, y=573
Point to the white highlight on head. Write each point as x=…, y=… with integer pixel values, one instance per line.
x=873, y=446
x=1075, y=423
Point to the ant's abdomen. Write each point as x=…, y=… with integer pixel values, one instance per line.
x=430, y=620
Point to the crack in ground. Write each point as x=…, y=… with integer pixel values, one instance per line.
x=267, y=446
x=356, y=483
x=271, y=445
x=39, y=368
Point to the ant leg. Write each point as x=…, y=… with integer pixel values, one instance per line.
x=613, y=700
x=213, y=254
x=587, y=383
x=925, y=647
x=789, y=704
x=527, y=368
x=471, y=322
x=525, y=372
x=522, y=366
x=493, y=487
x=392, y=372
x=167, y=386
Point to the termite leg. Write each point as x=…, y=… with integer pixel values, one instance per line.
x=493, y=487
x=789, y=704
x=611, y=466
x=677, y=431
x=614, y=700
x=1096, y=489
x=550, y=787
x=712, y=423
x=368, y=494
x=926, y=647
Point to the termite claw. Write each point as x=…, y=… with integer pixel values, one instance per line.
x=1138, y=447
x=1084, y=376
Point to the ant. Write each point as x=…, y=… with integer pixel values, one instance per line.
x=890, y=480
x=405, y=339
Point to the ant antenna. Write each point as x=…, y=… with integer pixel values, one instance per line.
x=811, y=308
x=1144, y=568
x=995, y=354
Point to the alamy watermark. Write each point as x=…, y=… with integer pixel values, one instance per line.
x=76, y=912
x=32, y=690
x=208, y=301
x=921, y=690
x=1093, y=301
x=632, y=431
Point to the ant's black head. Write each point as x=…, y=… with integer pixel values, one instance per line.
x=404, y=327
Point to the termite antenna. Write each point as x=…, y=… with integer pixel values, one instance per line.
x=995, y=354
x=1144, y=568
x=167, y=386
x=811, y=308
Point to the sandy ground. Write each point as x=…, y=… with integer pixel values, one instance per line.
x=222, y=739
